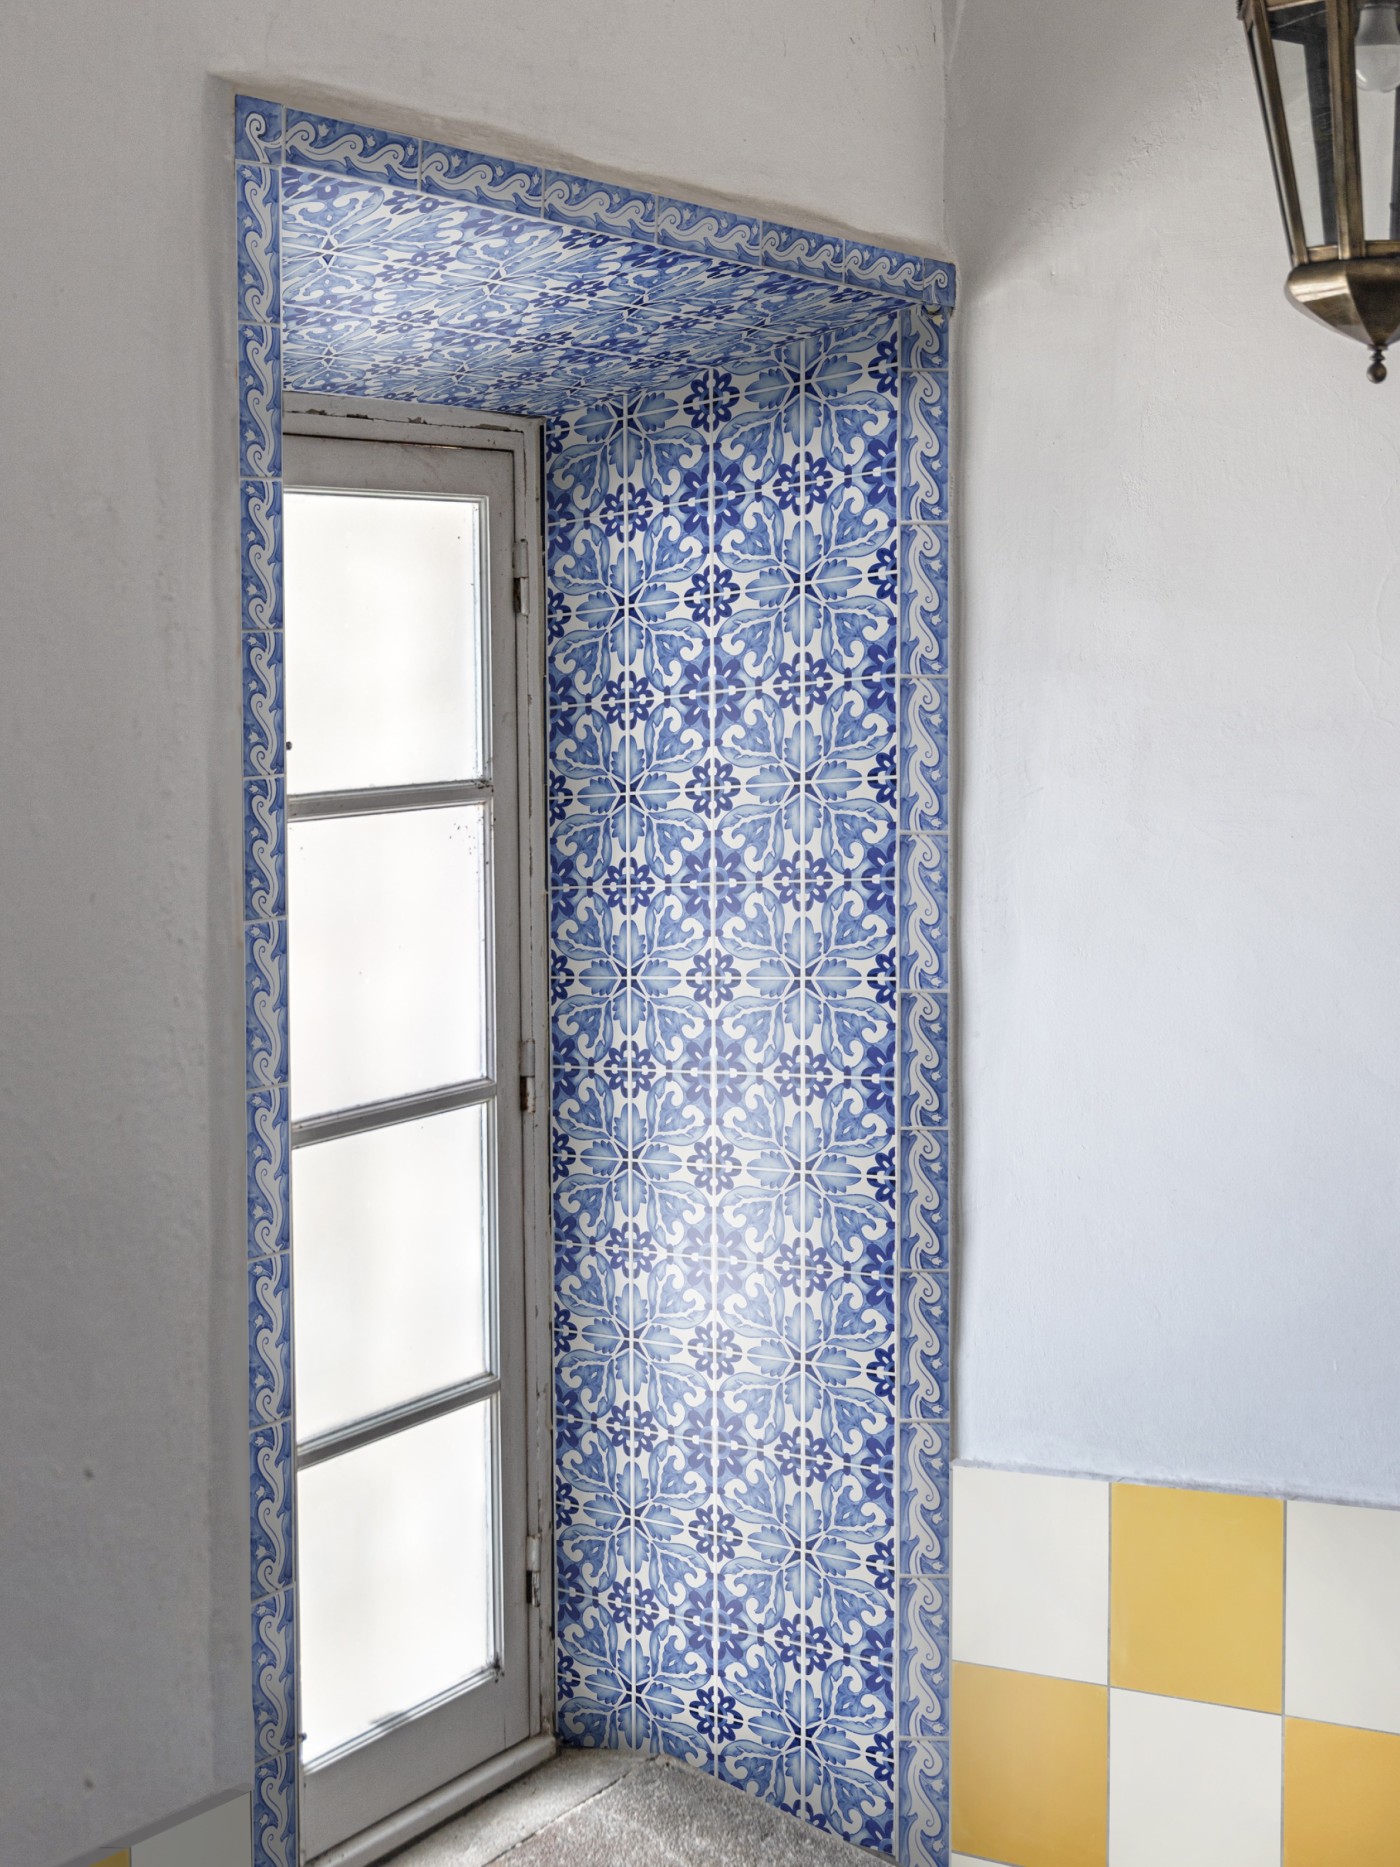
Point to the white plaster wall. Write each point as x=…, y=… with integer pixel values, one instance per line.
x=122, y=1351
x=1180, y=575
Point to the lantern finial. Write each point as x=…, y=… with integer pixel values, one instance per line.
x=1377, y=371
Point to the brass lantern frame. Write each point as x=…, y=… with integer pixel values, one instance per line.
x=1349, y=283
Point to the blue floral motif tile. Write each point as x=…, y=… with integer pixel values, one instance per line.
x=923, y=1498
x=674, y=1714
x=923, y=1803
x=350, y=149
x=269, y=1341
x=264, y=742
x=670, y=1380
x=595, y=1480
x=923, y=1657
x=265, y=978
x=463, y=175
x=923, y=756
x=848, y=1393
x=670, y=1546
x=275, y=1811
x=261, y=553
x=257, y=130
x=924, y=448
x=773, y=1703
x=270, y=1492
x=593, y=1342
x=601, y=206
x=759, y=1355
x=264, y=849
x=708, y=230
x=813, y=255
x=594, y=1678
x=924, y=1347
x=923, y=1064
x=274, y=1678
x=923, y=633
x=923, y=1200
x=269, y=1187
x=848, y=1554
x=259, y=221
x=923, y=913
x=259, y=401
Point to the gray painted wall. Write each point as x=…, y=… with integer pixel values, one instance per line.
x=122, y=1350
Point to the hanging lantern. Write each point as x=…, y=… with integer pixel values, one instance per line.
x=1329, y=83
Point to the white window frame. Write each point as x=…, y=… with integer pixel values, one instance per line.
x=376, y=419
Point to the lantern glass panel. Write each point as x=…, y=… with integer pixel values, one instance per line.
x=1299, y=34
x=1378, y=76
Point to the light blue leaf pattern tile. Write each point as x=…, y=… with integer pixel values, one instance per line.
x=264, y=848
x=924, y=1359
x=812, y=255
x=257, y=130
x=274, y=1687
x=259, y=401
x=923, y=1498
x=923, y=1199
x=711, y=230
x=350, y=149
x=923, y=1063
x=265, y=978
x=923, y=755
x=261, y=553
x=923, y=1657
x=264, y=742
x=923, y=1803
x=600, y=206
x=275, y=1811
x=924, y=447
x=463, y=175
x=269, y=1341
x=270, y=1472
x=269, y=1201
x=259, y=225
x=923, y=913
x=923, y=644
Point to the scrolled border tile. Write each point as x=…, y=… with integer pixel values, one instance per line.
x=269, y=1184
x=269, y=1341
x=923, y=755
x=275, y=1811
x=923, y=338
x=264, y=849
x=924, y=1345
x=809, y=255
x=261, y=553
x=270, y=1502
x=259, y=402
x=923, y=914
x=257, y=130
x=274, y=1674
x=693, y=229
x=577, y=201
x=903, y=275
x=265, y=982
x=264, y=740
x=923, y=491
x=923, y=1803
x=923, y=1497
x=923, y=1656
x=923, y=1061
x=491, y=181
x=318, y=142
x=923, y=1199
x=923, y=600
x=258, y=217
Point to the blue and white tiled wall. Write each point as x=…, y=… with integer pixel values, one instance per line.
x=748, y=879
x=747, y=545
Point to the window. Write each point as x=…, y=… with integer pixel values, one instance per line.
x=417, y=1187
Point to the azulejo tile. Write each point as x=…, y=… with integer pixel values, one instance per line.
x=923, y=640
x=264, y=849
x=923, y=1064
x=923, y=1803
x=923, y=914
x=923, y=1498
x=923, y=755
x=261, y=554
x=257, y=130
x=923, y=1657
x=924, y=447
x=270, y=1495
x=811, y=255
x=274, y=1675
x=464, y=175
x=594, y=1677
x=923, y=1200
x=269, y=1187
x=924, y=1344
x=265, y=981
x=269, y=1341
x=695, y=229
x=258, y=225
x=275, y=1810
x=350, y=149
x=923, y=338
x=259, y=401
x=602, y=206
x=264, y=740
x=904, y=275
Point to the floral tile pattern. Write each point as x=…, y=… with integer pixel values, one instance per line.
x=746, y=542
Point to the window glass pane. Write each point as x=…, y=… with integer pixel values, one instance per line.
x=392, y=1236
x=383, y=650
x=395, y=1553
x=387, y=947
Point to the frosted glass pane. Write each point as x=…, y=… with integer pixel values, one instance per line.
x=387, y=949
x=392, y=1235
x=384, y=632
x=395, y=1558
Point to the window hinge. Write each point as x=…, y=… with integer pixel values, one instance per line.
x=527, y=1077
x=532, y=1571
x=522, y=576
